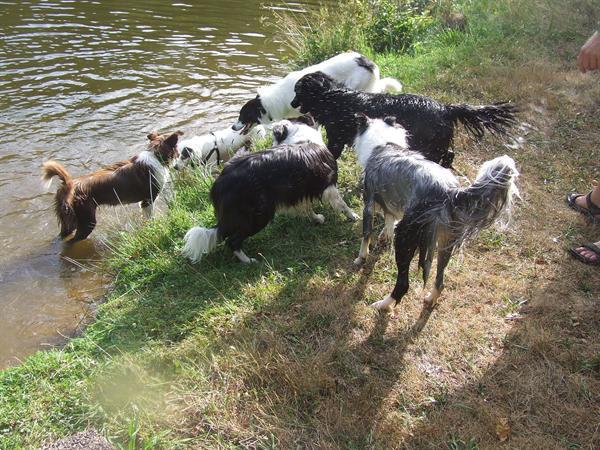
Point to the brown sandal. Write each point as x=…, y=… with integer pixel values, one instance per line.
x=590, y=246
x=592, y=212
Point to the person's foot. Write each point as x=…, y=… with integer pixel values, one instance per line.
x=587, y=204
x=582, y=202
x=587, y=253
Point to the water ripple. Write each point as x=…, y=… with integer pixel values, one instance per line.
x=83, y=82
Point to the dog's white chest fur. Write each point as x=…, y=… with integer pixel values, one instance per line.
x=158, y=171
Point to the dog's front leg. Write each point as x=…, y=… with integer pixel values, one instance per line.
x=147, y=208
x=387, y=233
x=333, y=197
x=319, y=219
x=407, y=240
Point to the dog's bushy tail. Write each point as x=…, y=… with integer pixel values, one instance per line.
x=496, y=118
x=467, y=211
x=199, y=241
x=488, y=200
x=388, y=85
x=63, y=198
x=51, y=169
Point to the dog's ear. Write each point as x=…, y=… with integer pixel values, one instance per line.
x=171, y=141
x=390, y=120
x=152, y=135
x=280, y=132
x=324, y=80
x=306, y=119
x=314, y=82
x=362, y=120
x=186, y=153
x=310, y=121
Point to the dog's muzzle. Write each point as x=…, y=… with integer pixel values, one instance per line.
x=245, y=127
x=237, y=126
x=295, y=103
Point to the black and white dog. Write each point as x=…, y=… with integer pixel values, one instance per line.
x=437, y=212
x=430, y=124
x=252, y=187
x=214, y=147
x=272, y=103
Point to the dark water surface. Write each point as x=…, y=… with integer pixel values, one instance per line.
x=83, y=82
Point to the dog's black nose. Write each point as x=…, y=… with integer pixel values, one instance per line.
x=295, y=103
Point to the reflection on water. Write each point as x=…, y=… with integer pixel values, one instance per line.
x=83, y=82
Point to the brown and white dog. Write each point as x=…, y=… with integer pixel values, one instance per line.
x=138, y=179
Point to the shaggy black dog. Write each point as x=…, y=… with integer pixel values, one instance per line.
x=430, y=124
x=252, y=187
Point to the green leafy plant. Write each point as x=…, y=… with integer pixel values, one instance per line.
x=396, y=26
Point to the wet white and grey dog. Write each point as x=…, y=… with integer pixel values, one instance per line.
x=214, y=147
x=437, y=211
x=253, y=187
x=273, y=102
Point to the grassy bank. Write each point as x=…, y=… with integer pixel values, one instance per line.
x=286, y=353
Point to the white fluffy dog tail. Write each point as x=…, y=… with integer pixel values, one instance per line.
x=198, y=242
x=389, y=85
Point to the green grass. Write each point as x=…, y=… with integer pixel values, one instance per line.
x=285, y=353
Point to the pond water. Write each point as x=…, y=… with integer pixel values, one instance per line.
x=83, y=82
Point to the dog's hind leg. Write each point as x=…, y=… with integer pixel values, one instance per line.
x=332, y=196
x=243, y=257
x=234, y=242
x=240, y=226
x=445, y=249
x=426, y=250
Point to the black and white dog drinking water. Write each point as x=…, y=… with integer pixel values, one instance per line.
x=215, y=147
x=252, y=187
x=350, y=69
x=430, y=124
x=437, y=212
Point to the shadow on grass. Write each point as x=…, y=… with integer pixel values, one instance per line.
x=322, y=369
x=331, y=380
x=544, y=389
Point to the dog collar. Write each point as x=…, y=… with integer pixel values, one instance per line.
x=215, y=149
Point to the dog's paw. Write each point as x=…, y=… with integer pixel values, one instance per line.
x=359, y=261
x=383, y=239
x=319, y=219
x=353, y=217
x=384, y=305
x=431, y=298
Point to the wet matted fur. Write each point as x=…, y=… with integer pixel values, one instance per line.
x=435, y=210
x=252, y=187
x=430, y=124
x=138, y=179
